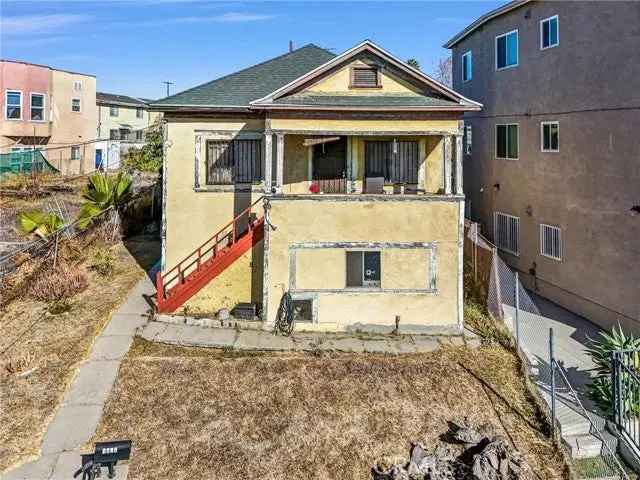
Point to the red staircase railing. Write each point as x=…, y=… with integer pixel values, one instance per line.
x=176, y=286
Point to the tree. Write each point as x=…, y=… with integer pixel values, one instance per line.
x=443, y=71
x=412, y=62
x=149, y=157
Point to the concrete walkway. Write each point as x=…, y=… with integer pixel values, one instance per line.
x=571, y=337
x=217, y=337
x=78, y=416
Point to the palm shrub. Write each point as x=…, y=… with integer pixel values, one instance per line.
x=103, y=193
x=601, y=350
x=40, y=223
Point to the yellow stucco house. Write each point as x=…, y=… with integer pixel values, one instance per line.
x=344, y=176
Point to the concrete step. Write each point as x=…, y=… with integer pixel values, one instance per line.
x=590, y=446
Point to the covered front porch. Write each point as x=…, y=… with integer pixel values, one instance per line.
x=351, y=162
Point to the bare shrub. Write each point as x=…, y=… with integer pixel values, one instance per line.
x=103, y=262
x=59, y=284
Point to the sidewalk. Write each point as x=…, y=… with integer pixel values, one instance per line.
x=78, y=416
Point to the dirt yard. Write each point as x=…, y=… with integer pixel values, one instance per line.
x=198, y=413
x=39, y=350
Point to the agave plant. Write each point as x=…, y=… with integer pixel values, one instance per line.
x=601, y=350
x=104, y=192
x=40, y=223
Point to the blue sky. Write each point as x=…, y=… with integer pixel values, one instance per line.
x=132, y=46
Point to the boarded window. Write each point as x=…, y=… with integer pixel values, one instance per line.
x=363, y=269
x=366, y=77
x=236, y=161
x=397, y=164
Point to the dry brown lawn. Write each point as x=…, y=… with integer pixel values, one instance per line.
x=51, y=346
x=197, y=413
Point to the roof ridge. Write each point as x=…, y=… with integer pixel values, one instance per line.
x=308, y=45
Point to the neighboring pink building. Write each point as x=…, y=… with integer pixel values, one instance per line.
x=51, y=110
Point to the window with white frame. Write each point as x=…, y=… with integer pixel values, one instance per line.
x=363, y=269
x=507, y=141
x=13, y=105
x=550, y=241
x=76, y=105
x=507, y=50
x=113, y=111
x=467, y=66
x=468, y=139
x=550, y=136
x=77, y=86
x=37, y=107
x=549, y=32
x=75, y=153
x=506, y=232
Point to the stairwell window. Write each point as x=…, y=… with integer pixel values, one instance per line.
x=363, y=269
x=507, y=50
x=467, y=66
x=550, y=136
x=551, y=242
x=13, y=105
x=507, y=141
x=37, y=107
x=235, y=161
x=549, y=33
x=506, y=232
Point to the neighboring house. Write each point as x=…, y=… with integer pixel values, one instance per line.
x=49, y=110
x=553, y=160
x=362, y=186
x=122, y=123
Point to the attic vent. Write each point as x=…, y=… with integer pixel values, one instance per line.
x=364, y=77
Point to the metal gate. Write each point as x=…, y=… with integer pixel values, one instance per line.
x=625, y=380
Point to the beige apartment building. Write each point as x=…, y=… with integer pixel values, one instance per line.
x=552, y=163
x=50, y=111
x=336, y=180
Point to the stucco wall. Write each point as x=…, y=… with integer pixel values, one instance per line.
x=397, y=124
x=588, y=84
x=126, y=116
x=392, y=227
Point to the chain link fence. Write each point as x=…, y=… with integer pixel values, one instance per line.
x=560, y=369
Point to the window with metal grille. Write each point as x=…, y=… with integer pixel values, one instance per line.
x=76, y=105
x=365, y=77
x=506, y=232
x=114, y=134
x=236, y=161
x=363, y=269
x=396, y=161
x=550, y=241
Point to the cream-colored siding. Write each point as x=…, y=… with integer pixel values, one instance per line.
x=127, y=118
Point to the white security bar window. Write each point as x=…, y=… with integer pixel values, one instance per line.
x=113, y=111
x=363, y=269
x=506, y=232
x=76, y=105
x=468, y=139
x=550, y=136
x=507, y=50
x=551, y=241
x=139, y=112
x=13, y=102
x=507, y=141
x=37, y=107
x=549, y=32
x=467, y=66
x=75, y=153
x=77, y=86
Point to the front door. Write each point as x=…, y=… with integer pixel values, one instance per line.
x=329, y=169
x=98, y=158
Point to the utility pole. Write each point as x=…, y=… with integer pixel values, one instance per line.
x=167, y=84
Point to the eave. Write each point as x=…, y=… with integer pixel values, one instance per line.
x=382, y=108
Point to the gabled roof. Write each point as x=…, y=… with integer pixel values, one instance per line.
x=114, y=99
x=484, y=19
x=241, y=88
x=443, y=97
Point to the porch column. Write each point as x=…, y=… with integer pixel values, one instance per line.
x=447, y=154
x=459, y=189
x=279, y=161
x=268, y=161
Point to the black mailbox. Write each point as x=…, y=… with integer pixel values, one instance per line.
x=106, y=454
